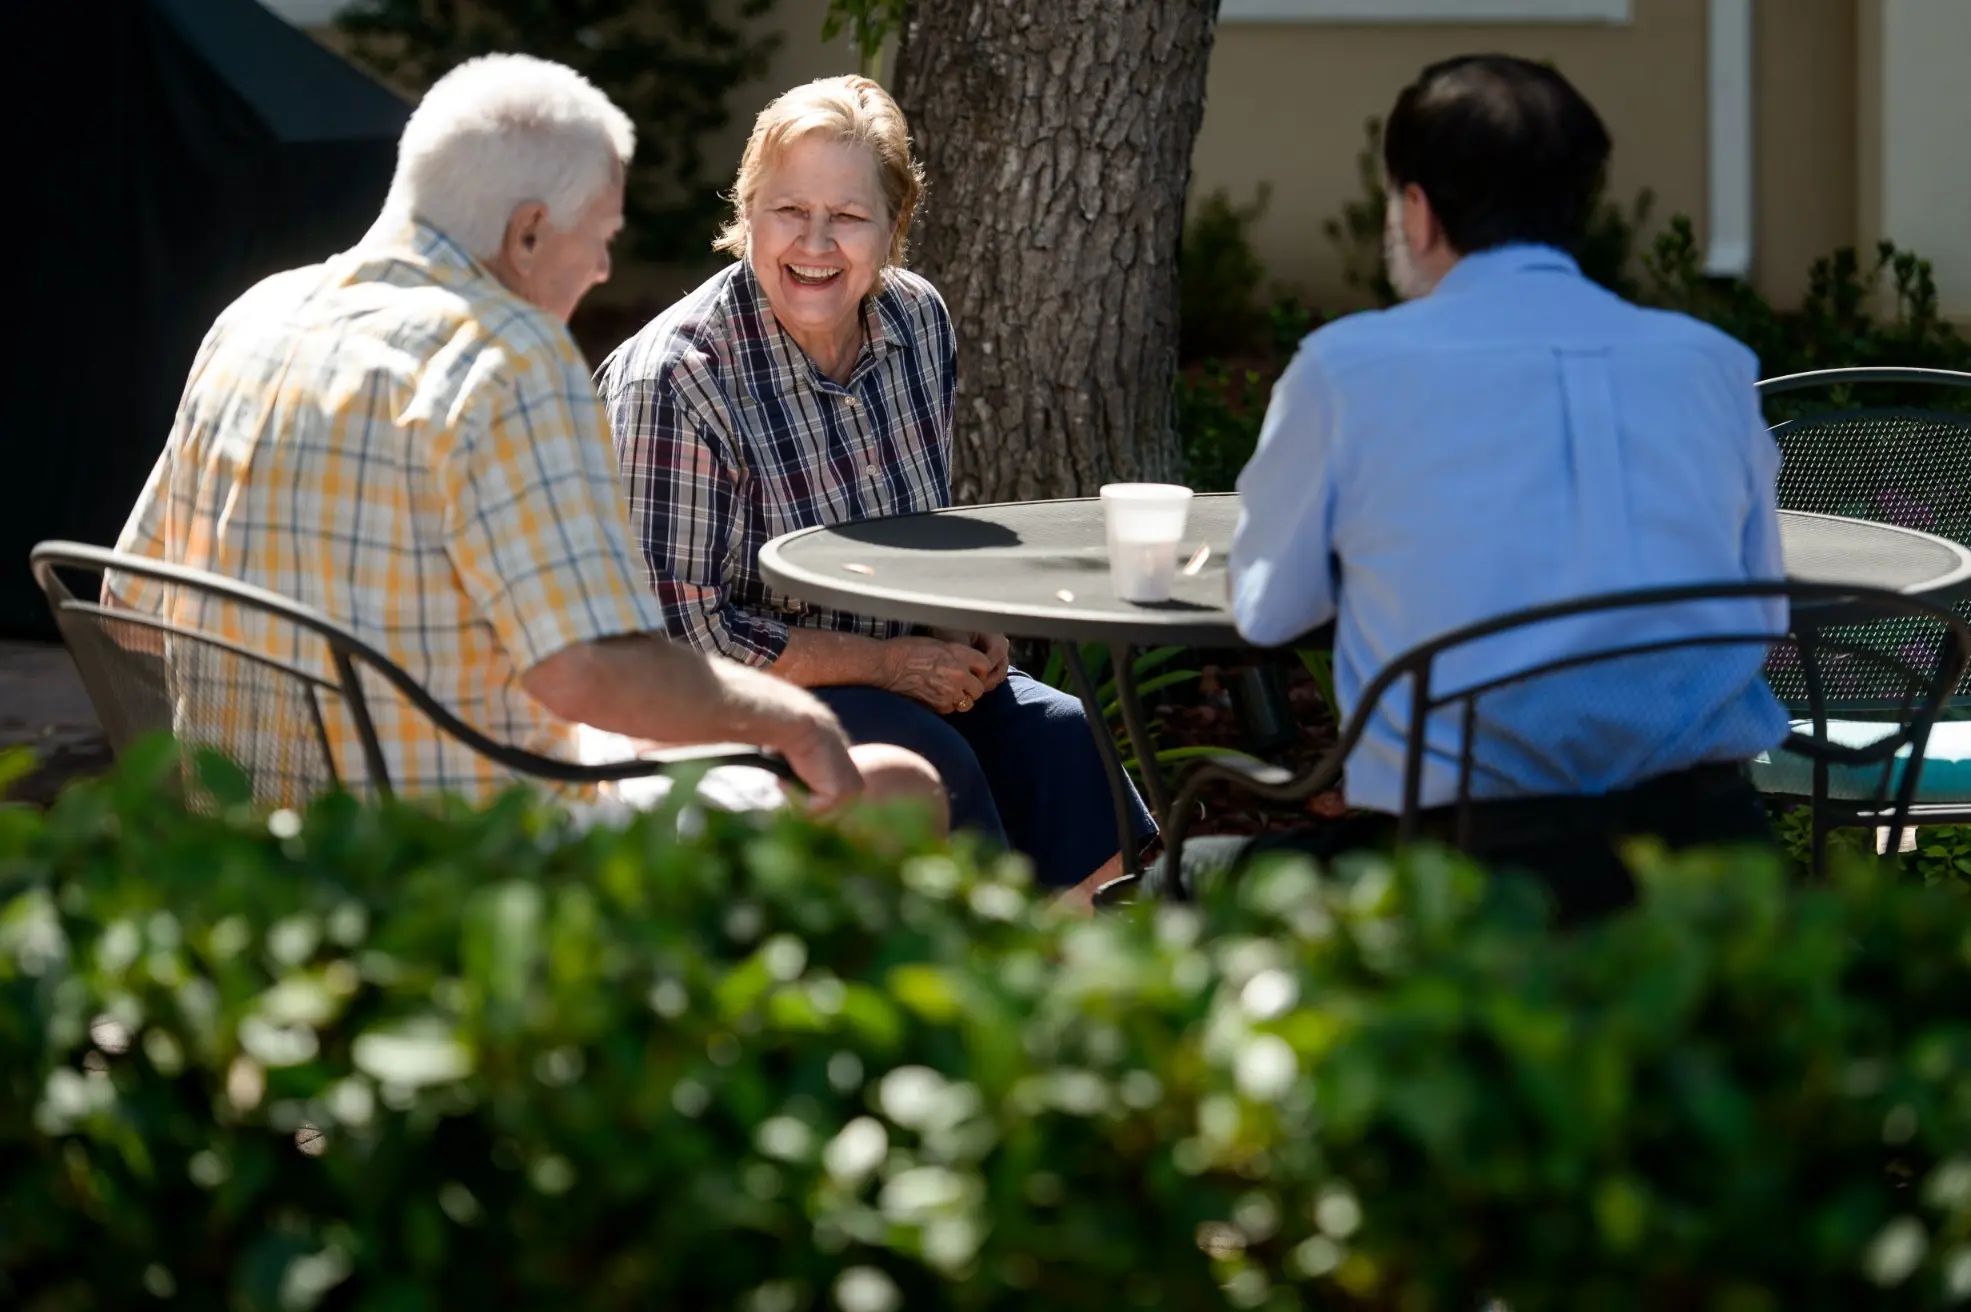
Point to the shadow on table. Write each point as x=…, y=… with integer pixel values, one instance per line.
x=928, y=533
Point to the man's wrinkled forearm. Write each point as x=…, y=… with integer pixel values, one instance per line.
x=648, y=688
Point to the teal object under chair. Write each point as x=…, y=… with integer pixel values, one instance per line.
x=1944, y=780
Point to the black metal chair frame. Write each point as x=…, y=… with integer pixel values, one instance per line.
x=349, y=653
x=1784, y=383
x=1844, y=814
x=1814, y=606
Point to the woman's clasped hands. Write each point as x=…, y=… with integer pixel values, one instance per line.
x=948, y=672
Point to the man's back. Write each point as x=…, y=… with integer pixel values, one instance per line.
x=1520, y=436
x=395, y=440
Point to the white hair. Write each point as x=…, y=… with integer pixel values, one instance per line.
x=498, y=132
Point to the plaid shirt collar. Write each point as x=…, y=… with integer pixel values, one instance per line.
x=885, y=328
x=446, y=262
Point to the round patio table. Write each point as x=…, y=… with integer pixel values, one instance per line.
x=1040, y=569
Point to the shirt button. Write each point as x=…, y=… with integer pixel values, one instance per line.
x=869, y=470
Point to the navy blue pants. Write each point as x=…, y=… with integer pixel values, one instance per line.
x=1021, y=768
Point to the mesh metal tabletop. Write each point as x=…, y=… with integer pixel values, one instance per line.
x=1039, y=569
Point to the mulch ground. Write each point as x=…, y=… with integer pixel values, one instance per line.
x=43, y=708
x=60, y=763
x=1205, y=714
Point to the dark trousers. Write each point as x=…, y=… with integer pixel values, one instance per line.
x=1021, y=768
x=1568, y=844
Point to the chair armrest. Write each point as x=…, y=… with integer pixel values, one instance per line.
x=663, y=762
x=721, y=754
x=1270, y=782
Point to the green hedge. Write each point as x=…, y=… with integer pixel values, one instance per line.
x=389, y=1058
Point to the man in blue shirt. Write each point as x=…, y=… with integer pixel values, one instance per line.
x=1515, y=435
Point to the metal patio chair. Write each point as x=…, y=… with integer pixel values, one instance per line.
x=1896, y=464
x=1449, y=737
x=273, y=717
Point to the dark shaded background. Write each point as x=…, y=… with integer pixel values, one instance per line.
x=177, y=151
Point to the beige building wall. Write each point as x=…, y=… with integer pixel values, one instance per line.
x=1806, y=169
x=1917, y=142
x=1835, y=161
x=1286, y=104
x=1288, y=100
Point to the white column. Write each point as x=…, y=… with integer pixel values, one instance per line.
x=1925, y=146
x=1729, y=114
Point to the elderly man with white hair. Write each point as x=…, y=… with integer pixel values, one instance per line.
x=405, y=438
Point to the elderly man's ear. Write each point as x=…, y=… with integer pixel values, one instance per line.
x=523, y=236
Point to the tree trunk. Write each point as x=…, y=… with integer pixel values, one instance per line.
x=1057, y=138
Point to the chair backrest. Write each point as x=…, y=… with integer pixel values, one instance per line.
x=1892, y=462
x=121, y=663
x=299, y=721
x=1491, y=725
x=183, y=670
x=1446, y=721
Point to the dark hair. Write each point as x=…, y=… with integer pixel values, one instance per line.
x=1505, y=149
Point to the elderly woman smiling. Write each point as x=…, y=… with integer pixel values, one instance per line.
x=812, y=382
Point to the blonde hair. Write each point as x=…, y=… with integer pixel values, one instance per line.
x=851, y=109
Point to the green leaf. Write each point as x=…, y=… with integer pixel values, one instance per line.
x=503, y=940
x=1172, y=754
x=744, y=988
x=223, y=780
x=926, y=990
x=16, y=764
x=1055, y=673
x=1113, y=710
x=1155, y=657
x=1622, y=1213
x=412, y=1053
x=873, y=1017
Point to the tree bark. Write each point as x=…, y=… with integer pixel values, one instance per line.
x=1056, y=135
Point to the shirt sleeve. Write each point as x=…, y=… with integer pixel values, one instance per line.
x=536, y=519
x=684, y=484
x=1281, y=580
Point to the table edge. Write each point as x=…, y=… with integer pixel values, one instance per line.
x=1022, y=621
x=1220, y=630
x=1943, y=589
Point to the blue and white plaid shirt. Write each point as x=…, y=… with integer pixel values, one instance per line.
x=729, y=436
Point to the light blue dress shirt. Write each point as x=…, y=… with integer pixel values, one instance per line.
x=1520, y=436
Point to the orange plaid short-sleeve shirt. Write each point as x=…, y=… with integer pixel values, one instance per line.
x=396, y=440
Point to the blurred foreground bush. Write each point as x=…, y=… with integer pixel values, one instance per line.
x=396, y=1058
